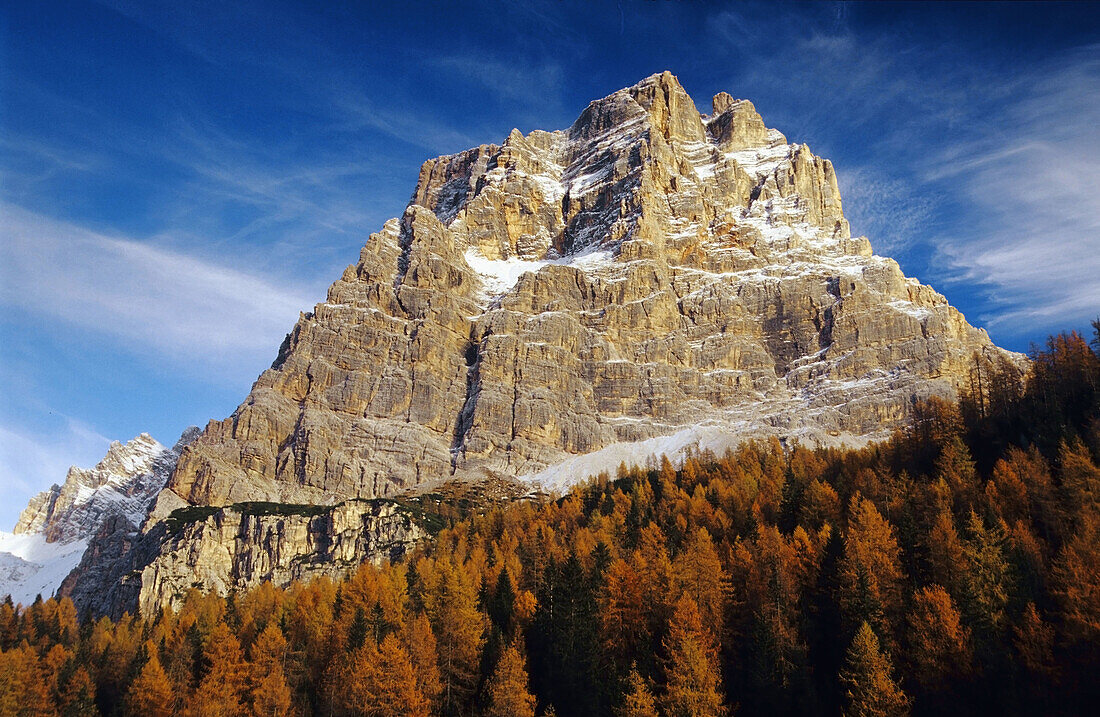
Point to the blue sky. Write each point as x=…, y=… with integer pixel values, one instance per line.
x=179, y=180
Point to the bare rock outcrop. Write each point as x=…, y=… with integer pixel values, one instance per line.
x=234, y=548
x=651, y=278
x=648, y=270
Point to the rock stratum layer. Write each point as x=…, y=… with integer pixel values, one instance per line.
x=649, y=279
x=647, y=271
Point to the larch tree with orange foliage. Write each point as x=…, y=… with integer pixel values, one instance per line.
x=693, y=680
x=698, y=572
x=460, y=633
x=221, y=692
x=424, y=654
x=869, y=686
x=939, y=642
x=1075, y=581
x=77, y=695
x=268, y=692
x=508, y=687
x=1034, y=641
x=870, y=573
x=23, y=688
x=380, y=681
x=638, y=700
x=624, y=629
x=151, y=693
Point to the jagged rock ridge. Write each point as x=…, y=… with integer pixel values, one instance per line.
x=124, y=483
x=53, y=530
x=646, y=279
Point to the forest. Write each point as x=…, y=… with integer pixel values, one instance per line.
x=954, y=568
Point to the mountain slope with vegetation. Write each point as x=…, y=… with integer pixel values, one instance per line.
x=955, y=567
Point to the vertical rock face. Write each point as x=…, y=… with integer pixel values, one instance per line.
x=234, y=548
x=647, y=271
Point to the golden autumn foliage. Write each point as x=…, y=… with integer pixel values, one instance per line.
x=869, y=686
x=151, y=692
x=939, y=642
x=508, y=687
x=955, y=567
x=268, y=694
x=693, y=683
x=638, y=700
x=380, y=681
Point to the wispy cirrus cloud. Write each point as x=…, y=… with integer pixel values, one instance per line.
x=1034, y=191
x=537, y=85
x=152, y=300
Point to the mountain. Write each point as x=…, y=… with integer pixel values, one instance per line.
x=53, y=530
x=648, y=280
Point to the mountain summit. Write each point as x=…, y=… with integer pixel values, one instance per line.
x=648, y=280
x=649, y=275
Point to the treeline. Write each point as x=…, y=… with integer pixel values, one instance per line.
x=928, y=574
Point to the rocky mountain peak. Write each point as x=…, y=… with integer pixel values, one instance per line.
x=649, y=279
x=123, y=483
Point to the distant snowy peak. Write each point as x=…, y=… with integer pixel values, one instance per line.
x=124, y=483
x=55, y=527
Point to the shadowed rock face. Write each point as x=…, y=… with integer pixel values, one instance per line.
x=649, y=273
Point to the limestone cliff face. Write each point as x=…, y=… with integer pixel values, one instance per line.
x=647, y=273
x=234, y=548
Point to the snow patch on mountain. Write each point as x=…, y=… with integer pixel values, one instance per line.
x=30, y=566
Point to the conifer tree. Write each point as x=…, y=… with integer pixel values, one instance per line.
x=459, y=632
x=23, y=688
x=638, y=701
x=956, y=468
x=424, y=654
x=151, y=693
x=508, y=687
x=693, y=683
x=987, y=577
x=77, y=698
x=268, y=692
x=379, y=681
x=1076, y=582
x=939, y=641
x=870, y=690
x=870, y=572
x=624, y=629
x=699, y=572
x=221, y=692
x=1034, y=641
x=944, y=550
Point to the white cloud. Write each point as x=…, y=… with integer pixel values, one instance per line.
x=151, y=299
x=1035, y=195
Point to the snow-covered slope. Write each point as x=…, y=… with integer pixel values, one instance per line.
x=30, y=566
